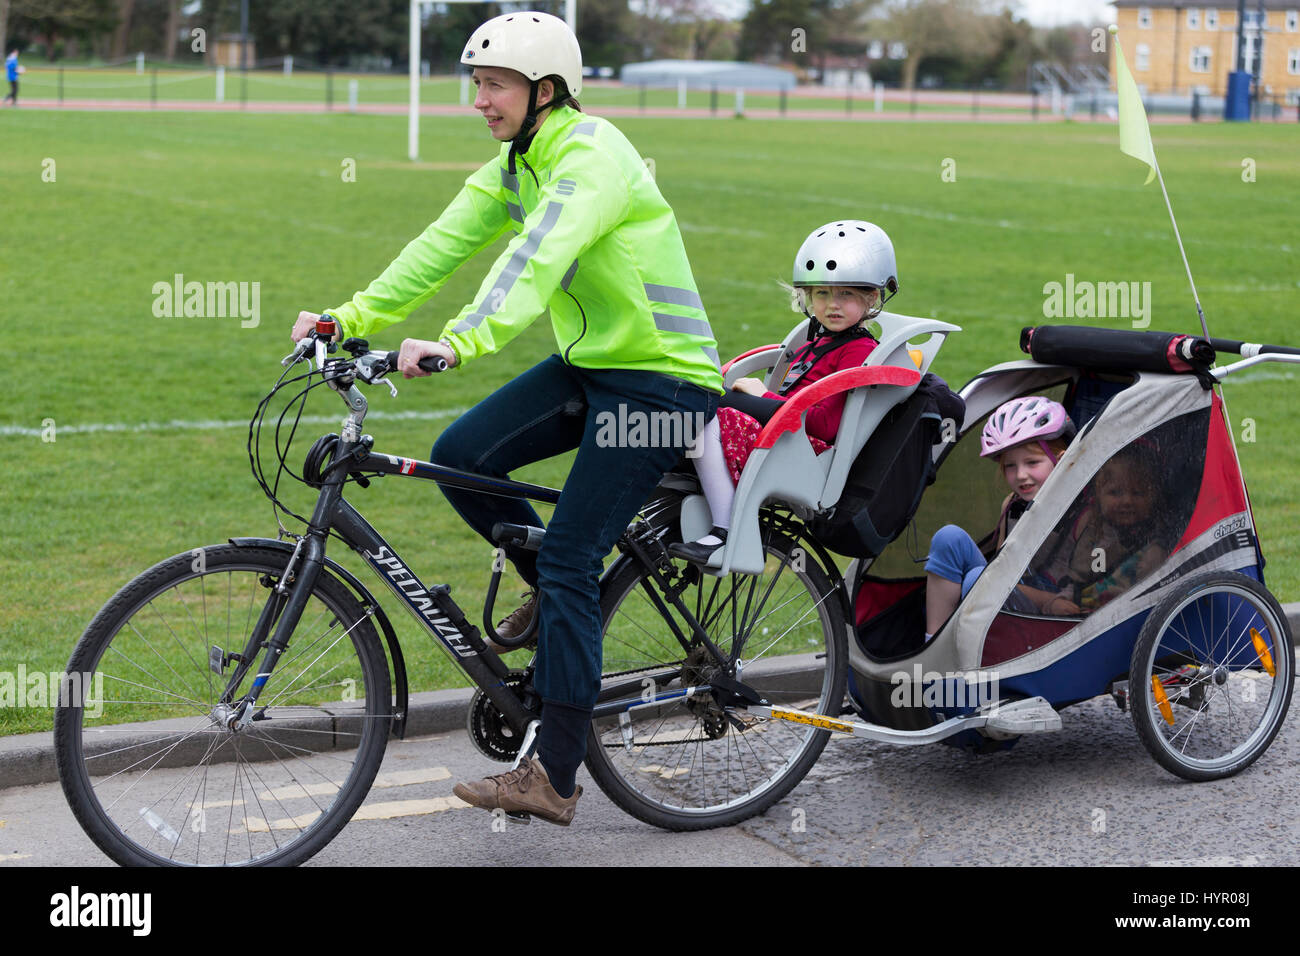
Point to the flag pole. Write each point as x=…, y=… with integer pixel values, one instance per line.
x=1135, y=140
x=1190, y=281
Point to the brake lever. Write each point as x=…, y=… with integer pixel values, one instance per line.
x=365, y=365
x=296, y=356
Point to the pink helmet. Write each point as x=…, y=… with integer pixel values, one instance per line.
x=1025, y=419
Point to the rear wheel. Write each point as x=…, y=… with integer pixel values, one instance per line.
x=147, y=756
x=1211, y=676
x=682, y=763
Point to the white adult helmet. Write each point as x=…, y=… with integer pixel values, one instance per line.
x=533, y=43
x=847, y=253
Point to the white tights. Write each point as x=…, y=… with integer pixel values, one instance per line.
x=715, y=478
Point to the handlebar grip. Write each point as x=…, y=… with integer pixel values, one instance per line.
x=432, y=363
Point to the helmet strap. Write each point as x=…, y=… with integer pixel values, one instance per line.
x=527, y=130
x=1047, y=451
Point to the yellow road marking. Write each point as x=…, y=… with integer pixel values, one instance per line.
x=397, y=778
x=371, y=811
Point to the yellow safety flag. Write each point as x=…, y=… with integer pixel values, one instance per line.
x=1134, y=133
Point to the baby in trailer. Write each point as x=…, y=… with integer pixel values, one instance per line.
x=1119, y=539
x=1026, y=436
x=843, y=274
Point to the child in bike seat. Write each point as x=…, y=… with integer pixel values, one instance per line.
x=843, y=274
x=1027, y=437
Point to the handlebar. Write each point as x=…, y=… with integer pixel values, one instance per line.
x=431, y=363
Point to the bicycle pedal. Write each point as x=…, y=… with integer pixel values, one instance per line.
x=519, y=816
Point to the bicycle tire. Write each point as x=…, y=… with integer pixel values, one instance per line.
x=151, y=792
x=681, y=765
x=1217, y=707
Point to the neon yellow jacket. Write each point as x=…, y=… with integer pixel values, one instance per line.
x=595, y=243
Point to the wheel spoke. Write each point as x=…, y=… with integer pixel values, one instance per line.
x=290, y=777
x=688, y=765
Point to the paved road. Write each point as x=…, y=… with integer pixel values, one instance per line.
x=1088, y=795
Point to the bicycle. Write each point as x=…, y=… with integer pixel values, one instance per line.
x=257, y=747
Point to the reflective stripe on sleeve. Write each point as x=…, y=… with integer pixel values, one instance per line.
x=585, y=129
x=568, y=276
x=496, y=296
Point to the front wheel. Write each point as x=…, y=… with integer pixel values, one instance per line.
x=1211, y=676
x=681, y=762
x=151, y=763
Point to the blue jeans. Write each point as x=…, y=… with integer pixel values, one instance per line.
x=954, y=557
x=550, y=409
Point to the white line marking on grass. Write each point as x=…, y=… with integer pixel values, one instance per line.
x=1258, y=375
x=21, y=431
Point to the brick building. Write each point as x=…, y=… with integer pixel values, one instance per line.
x=1174, y=46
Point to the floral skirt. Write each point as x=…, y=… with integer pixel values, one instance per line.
x=739, y=436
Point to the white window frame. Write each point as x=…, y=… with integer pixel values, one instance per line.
x=1292, y=21
x=1211, y=19
x=1253, y=19
x=1193, y=18
x=1142, y=58
x=1293, y=96
x=1293, y=61
x=1204, y=53
x=1144, y=18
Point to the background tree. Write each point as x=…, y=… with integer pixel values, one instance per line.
x=606, y=32
x=954, y=29
x=806, y=32
x=59, y=22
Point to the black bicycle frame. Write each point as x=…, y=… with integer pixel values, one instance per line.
x=433, y=606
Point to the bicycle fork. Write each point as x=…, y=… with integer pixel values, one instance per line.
x=288, y=599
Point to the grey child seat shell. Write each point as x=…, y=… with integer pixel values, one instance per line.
x=790, y=471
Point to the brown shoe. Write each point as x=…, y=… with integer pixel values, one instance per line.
x=525, y=790
x=514, y=624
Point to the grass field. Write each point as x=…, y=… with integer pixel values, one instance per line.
x=136, y=199
x=306, y=87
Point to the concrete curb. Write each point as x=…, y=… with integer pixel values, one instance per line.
x=27, y=759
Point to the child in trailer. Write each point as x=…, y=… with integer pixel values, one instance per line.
x=843, y=274
x=1120, y=539
x=1027, y=437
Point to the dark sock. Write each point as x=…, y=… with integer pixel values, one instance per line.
x=562, y=743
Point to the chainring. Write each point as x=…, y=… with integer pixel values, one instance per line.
x=491, y=734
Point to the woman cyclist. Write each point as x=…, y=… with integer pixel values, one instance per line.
x=596, y=244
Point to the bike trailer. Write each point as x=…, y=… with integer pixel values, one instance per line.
x=1176, y=564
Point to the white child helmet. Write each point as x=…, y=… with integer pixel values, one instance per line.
x=847, y=253
x=535, y=44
